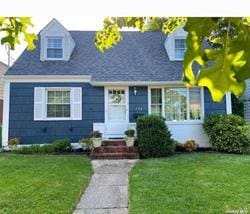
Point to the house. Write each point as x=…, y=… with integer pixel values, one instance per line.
x=246, y=100
x=67, y=88
x=3, y=68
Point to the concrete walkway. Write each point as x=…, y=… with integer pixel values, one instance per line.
x=107, y=192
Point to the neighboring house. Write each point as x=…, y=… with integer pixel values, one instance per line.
x=66, y=88
x=246, y=100
x=3, y=68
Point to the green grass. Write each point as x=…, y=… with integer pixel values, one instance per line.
x=42, y=184
x=191, y=183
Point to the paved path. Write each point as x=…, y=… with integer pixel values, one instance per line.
x=107, y=192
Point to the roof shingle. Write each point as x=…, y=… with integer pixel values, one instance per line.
x=138, y=57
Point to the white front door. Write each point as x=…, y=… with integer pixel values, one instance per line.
x=116, y=111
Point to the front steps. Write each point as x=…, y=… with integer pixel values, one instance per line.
x=114, y=149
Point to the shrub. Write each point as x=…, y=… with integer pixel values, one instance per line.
x=178, y=146
x=130, y=133
x=62, y=145
x=154, y=138
x=190, y=145
x=13, y=142
x=34, y=149
x=227, y=133
x=86, y=143
x=95, y=134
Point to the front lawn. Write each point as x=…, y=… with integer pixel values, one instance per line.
x=42, y=184
x=191, y=183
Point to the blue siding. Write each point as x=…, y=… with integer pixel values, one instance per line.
x=138, y=104
x=22, y=124
x=213, y=107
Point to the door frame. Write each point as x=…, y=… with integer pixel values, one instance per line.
x=106, y=89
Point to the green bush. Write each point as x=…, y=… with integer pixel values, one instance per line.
x=62, y=145
x=154, y=138
x=227, y=133
x=58, y=146
x=13, y=142
x=130, y=133
x=34, y=149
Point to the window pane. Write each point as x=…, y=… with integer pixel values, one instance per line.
x=55, y=43
x=58, y=104
x=156, y=101
x=156, y=97
x=57, y=110
x=54, y=48
x=179, y=53
x=180, y=43
x=54, y=53
x=175, y=104
x=180, y=48
x=156, y=110
x=117, y=97
x=195, y=104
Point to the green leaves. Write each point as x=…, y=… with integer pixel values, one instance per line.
x=173, y=23
x=108, y=36
x=221, y=62
x=220, y=46
x=16, y=29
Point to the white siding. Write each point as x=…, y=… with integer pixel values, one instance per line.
x=169, y=43
x=55, y=29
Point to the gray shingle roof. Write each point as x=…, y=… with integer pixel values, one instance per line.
x=138, y=57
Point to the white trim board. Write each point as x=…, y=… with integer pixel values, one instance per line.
x=47, y=78
x=6, y=111
x=135, y=83
x=228, y=103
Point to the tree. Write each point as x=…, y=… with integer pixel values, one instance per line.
x=224, y=63
x=16, y=29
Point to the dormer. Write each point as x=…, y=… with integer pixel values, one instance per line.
x=175, y=45
x=56, y=42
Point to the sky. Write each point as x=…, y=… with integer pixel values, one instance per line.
x=89, y=14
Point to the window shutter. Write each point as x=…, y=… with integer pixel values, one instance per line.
x=39, y=103
x=76, y=104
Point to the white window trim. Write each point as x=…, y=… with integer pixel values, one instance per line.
x=46, y=47
x=188, y=121
x=45, y=118
x=178, y=37
x=47, y=89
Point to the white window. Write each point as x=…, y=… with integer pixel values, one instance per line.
x=176, y=103
x=54, y=48
x=180, y=48
x=57, y=103
x=156, y=101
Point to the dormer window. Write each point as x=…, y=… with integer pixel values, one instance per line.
x=54, y=48
x=180, y=48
